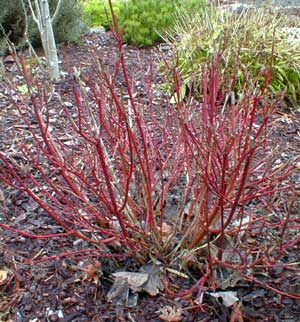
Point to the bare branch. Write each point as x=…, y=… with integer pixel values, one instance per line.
x=56, y=11
x=33, y=13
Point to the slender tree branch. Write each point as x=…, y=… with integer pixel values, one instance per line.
x=33, y=13
x=58, y=6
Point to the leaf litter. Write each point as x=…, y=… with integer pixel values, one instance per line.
x=127, y=284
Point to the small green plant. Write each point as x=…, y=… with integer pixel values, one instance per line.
x=144, y=20
x=260, y=37
x=97, y=12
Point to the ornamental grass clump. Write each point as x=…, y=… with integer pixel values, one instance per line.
x=258, y=36
x=191, y=185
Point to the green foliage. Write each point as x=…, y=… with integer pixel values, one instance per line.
x=259, y=37
x=97, y=12
x=144, y=20
x=67, y=26
x=12, y=21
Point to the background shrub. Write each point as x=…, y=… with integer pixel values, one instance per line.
x=97, y=12
x=251, y=34
x=67, y=26
x=12, y=20
x=144, y=20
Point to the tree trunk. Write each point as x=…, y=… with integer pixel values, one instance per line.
x=41, y=15
x=48, y=40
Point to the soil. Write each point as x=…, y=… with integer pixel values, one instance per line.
x=62, y=289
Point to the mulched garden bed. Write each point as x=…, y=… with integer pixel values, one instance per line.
x=63, y=290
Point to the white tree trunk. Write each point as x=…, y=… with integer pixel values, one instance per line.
x=42, y=17
x=49, y=40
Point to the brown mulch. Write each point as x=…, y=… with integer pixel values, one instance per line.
x=60, y=290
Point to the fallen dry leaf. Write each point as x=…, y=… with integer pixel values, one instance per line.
x=153, y=285
x=120, y=295
x=171, y=314
x=166, y=232
x=135, y=280
x=92, y=272
x=126, y=286
x=4, y=273
x=228, y=297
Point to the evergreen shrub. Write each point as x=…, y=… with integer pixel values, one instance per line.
x=97, y=12
x=144, y=20
x=11, y=20
x=68, y=27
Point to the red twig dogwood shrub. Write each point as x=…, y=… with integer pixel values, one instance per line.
x=192, y=184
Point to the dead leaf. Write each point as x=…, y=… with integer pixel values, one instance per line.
x=92, y=272
x=135, y=280
x=126, y=284
x=8, y=59
x=166, y=232
x=118, y=293
x=171, y=314
x=228, y=298
x=4, y=275
x=153, y=284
